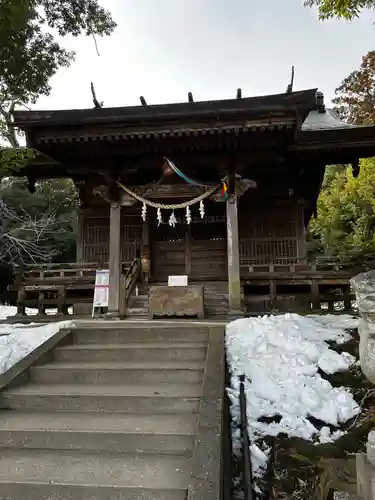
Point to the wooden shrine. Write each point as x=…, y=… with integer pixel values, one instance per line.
x=254, y=166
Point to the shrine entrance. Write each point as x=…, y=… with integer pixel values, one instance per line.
x=169, y=255
x=198, y=250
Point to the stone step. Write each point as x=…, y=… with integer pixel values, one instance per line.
x=107, y=432
x=137, y=306
x=42, y=475
x=169, y=398
x=48, y=491
x=140, y=299
x=138, y=303
x=132, y=352
x=140, y=333
x=215, y=297
x=119, y=373
x=137, y=311
x=212, y=308
x=215, y=294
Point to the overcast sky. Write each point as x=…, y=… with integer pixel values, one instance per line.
x=163, y=49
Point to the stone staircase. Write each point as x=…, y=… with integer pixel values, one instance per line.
x=138, y=303
x=215, y=298
x=111, y=415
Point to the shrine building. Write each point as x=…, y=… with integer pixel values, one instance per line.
x=209, y=190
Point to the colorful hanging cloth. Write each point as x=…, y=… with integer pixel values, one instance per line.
x=185, y=177
x=224, y=187
x=224, y=191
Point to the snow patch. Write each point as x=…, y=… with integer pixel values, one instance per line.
x=280, y=357
x=17, y=341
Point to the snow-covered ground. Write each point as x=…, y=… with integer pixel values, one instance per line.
x=280, y=357
x=17, y=341
x=6, y=311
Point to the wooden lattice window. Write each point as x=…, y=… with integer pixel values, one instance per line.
x=95, y=242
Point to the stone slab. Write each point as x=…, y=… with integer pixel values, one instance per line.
x=69, y=467
x=206, y=481
x=176, y=301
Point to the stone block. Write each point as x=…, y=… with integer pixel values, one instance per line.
x=176, y=301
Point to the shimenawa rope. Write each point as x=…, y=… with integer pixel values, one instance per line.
x=163, y=206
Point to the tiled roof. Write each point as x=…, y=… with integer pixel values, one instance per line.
x=167, y=113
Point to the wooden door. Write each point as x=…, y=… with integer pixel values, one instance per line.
x=168, y=252
x=209, y=249
x=198, y=250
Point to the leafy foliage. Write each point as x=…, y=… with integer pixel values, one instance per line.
x=355, y=97
x=345, y=225
x=12, y=160
x=30, y=54
x=346, y=9
x=42, y=225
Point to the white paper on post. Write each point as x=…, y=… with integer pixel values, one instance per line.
x=177, y=280
x=101, y=288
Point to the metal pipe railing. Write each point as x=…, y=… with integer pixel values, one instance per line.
x=247, y=478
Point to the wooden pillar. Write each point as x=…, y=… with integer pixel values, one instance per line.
x=21, y=297
x=146, y=253
x=80, y=238
x=41, y=297
x=315, y=295
x=272, y=287
x=188, y=249
x=234, y=283
x=114, y=259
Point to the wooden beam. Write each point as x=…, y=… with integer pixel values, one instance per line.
x=114, y=259
x=239, y=94
x=190, y=97
x=143, y=101
x=234, y=283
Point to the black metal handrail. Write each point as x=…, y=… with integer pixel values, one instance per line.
x=227, y=464
x=247, y=477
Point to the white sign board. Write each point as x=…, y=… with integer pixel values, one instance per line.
x=101, y=288
x=177, y=280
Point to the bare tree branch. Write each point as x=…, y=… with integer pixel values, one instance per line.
x=25, y=239
x=96, y=44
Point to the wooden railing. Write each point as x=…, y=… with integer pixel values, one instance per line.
x=62, y=285
x=128, y=283
x=52, y=282
x=50, y=285
x=321, y=268
x=297, y=287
